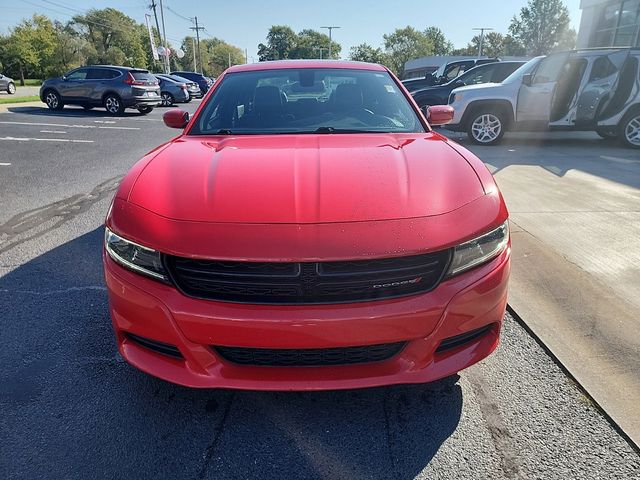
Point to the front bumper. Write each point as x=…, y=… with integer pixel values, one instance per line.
x=157, y=311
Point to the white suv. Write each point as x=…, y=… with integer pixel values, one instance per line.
x=593, y=89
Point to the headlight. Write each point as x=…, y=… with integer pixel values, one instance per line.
x=479, y=250
x=133, y=256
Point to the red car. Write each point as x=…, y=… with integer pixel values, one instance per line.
x=324, y=238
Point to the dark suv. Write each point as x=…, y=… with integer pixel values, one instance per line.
x=445, y=73
x=203, y=82
x=108, y=86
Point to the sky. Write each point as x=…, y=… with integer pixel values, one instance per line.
x=245, y=23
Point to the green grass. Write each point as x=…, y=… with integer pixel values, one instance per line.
x=12, y=99
x=30, y=82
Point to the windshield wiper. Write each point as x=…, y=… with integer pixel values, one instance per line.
x=345, y=130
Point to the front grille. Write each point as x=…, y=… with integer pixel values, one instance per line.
x=306, y=283
x=311, y=357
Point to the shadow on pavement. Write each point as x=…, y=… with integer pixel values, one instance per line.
x=72, y=112
x=70, y=403
x=560, y=152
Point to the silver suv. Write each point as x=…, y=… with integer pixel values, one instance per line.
x=112, y=87
x=593, y=89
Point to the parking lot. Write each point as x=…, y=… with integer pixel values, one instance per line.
x=69, y=400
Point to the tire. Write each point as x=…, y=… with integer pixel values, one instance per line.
x=113, y=104
x=145, y=110
x=167, y=99
x=53, y=100
x=630, y=129
x=486, y=127
x=188, y=99
x=11, y=88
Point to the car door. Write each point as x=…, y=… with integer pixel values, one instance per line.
x=4, y=82
x=73, y=84
x=534, y=98
x=604, y=80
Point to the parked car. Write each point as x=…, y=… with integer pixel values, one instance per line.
x=203, y=82
x=7, y=84
x=445, y=73
x=174, y=89
x=112, y=87
x=494, y=72
x=307, y=243
x=595, y=89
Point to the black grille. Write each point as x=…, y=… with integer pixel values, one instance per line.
x=310, y=357
x=462, y=339
x=308, y=282
x=156, y=346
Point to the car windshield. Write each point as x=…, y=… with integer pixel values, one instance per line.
x=307, y=100
x=526, y=68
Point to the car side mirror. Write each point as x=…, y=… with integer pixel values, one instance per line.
x=459, y=83
x=527, y=79
x=176, y=118
x=64, y=78
x=439, y=114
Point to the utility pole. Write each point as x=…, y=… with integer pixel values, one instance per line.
x=153, y=6
x=330, y=29
x=193, y=49
x=482, y=30
x=197, y=29
x=164, y=39
x=229, y=59
x=246, y=56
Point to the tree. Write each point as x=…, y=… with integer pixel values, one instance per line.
x=541, y=26
x=116, y=38
x=405, y=44
x=308, y=42
x=366, y=53
x=441, y=46
x=281, y=40
x=219, y=56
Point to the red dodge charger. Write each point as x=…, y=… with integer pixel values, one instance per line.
x=307, y=230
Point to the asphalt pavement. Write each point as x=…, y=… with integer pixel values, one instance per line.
x=72, y=408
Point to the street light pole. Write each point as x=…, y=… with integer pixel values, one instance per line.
x=321, y=49
x=330, y=29
x=482, y=30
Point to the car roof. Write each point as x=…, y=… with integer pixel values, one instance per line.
x=285, y=64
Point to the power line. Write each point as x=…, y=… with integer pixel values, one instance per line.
x=188, y=19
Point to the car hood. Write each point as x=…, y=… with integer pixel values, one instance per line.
x=479, y=86
x=306, y=178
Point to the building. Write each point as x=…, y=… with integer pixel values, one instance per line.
x=609, y=23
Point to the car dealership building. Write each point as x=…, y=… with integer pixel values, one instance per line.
x=609, y=23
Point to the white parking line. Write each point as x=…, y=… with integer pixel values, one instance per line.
x=2, y=164
x=35, y=124
x=52, y=131
x=30, y=139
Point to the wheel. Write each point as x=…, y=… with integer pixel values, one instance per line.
x=167, y=99
x=630, y=129
x=188, y=99
x=53, y=100
x=486, y=127
x=607, y=134
x=145, y=110
x=113, y=105
x=11, y=88
x=87, y=107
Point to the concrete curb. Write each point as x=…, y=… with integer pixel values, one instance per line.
x=4, y=107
